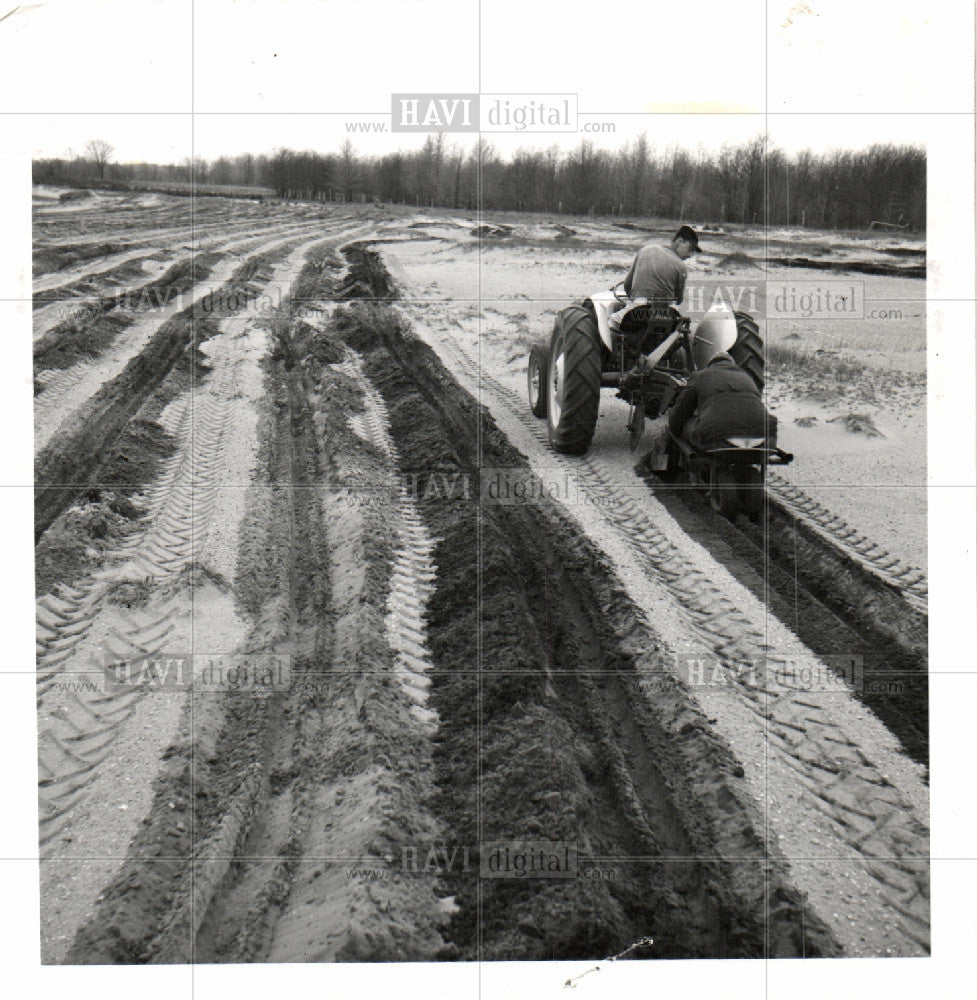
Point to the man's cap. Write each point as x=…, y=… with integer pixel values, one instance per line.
x=688, y=233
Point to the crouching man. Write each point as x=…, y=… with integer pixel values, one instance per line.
x=720, y=401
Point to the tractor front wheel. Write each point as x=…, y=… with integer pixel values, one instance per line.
x=536, y=378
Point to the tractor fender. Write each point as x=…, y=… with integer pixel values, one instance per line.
x=601, y=305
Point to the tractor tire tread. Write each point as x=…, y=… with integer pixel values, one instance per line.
x=578, y=415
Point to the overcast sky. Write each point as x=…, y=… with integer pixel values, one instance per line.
x=299, y=73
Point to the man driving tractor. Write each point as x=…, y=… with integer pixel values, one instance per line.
x=658, y=272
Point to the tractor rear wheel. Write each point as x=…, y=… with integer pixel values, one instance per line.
x=747, y=352
x=573, y=381
x=723, y=492
x=672, y=472
x=536, y=378
x=751, y=494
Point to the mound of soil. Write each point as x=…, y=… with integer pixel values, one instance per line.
x=737, y=259
x=57, y=258
x=635, y=228
x=76, y=542
x=318, y=344
x=492, y=232
x=365, y=279
x=854, y=266
x=334, y=766
x=92, y=329
x=858, y=423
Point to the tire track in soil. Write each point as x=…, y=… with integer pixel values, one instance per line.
x=152, y=599
x=563, y=747
x=79, y=280
x=337, y=771
x=565, y=730
x=411, y=583
x=65, y=391
x=910, y=581
x=849, y=816
x=179, y=506
x=301, y=902
x=831, y=603
x=294, y=787
x=61, y=468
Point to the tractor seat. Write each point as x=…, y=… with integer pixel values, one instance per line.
x=645, y=325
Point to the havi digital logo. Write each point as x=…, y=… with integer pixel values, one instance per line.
x=483, y=113
x=434, y=113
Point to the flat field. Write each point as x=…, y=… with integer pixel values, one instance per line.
x=338, y=660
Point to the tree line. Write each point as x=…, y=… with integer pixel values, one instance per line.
x=742, y=183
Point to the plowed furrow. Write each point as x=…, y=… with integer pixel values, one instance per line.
x=69, y=301
x=795, y=738
x=910, y=581
x=536, y=689
x=135, y=315
x=177, y=525
x=107, y=393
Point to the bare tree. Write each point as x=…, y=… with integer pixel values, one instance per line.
x=221, y=171
x=747, y=183
x=636, y=167
x=100, y=151
x=347, y=170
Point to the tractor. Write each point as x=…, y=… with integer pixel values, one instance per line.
x=646, y=353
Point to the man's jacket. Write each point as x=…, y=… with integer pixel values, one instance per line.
x=721, y=400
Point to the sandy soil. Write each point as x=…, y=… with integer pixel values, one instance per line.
x=99, y=281
x=50, y=282
x=63, y=396
x=759, y=819
x=451, y=326
x=506, y=296
x=196, y=509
